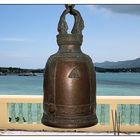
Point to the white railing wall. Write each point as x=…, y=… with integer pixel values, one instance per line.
x=112, y=101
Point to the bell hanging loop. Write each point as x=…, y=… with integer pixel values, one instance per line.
x=78, y=24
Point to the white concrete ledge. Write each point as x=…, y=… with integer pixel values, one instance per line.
x=33, y=133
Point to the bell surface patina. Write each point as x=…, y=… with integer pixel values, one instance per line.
x=69, y=80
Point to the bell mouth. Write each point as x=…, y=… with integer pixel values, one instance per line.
x=69, y=39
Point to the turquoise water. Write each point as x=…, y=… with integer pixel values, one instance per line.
x=116, y=84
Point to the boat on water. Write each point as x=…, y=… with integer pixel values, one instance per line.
x=3, y=74
x=27, y=74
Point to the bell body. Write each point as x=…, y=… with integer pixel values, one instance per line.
x=69, y=80
x=69, y=89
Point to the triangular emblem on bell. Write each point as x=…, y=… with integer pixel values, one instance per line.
x=75, y=73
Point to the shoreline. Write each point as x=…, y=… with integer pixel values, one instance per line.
x=4, y=71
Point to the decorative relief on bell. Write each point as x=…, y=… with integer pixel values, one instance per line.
x=75, y=73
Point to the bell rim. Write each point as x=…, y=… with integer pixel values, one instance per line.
x=66, y=123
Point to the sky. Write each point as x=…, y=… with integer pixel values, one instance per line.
x=28, y=33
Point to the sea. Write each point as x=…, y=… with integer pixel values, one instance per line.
x=108, y=84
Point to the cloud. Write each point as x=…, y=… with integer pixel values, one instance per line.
x=121, y=9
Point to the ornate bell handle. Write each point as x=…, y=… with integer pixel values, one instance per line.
x=78, y=24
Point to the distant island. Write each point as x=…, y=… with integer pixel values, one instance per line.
x=19, y=71
x=34, y=72
x=117, y=70
x=120, y=66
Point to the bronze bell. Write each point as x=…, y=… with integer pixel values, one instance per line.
x=69, y=80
